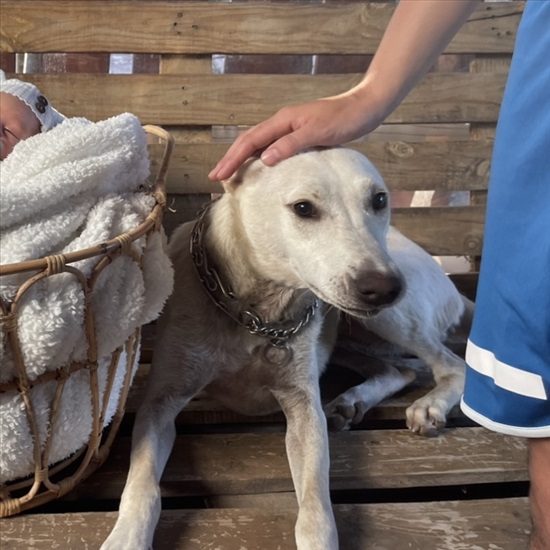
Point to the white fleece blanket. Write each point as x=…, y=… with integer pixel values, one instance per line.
x=78, y=185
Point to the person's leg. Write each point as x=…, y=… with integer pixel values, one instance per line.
x=539, y=471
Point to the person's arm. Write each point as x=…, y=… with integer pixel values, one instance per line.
x=417, y=33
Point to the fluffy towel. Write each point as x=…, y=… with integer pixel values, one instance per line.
x=61, y=191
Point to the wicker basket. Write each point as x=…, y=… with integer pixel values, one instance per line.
x=53, y=481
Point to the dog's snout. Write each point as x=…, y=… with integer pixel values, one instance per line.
x=378, y=289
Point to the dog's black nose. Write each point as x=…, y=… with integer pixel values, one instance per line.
x=378, y=289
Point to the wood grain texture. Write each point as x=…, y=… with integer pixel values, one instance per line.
x=245, y=28
x=491, y=524
x=248, y=99
x=443, y=231
x=443, y=165
x=250, y=463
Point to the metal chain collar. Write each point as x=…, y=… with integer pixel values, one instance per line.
x=222, y=295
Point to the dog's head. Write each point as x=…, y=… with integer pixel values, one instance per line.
x=319, y=220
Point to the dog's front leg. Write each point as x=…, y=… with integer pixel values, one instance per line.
x=308, y=456
x=152, y=440
x=382, y=381
x=428, y=414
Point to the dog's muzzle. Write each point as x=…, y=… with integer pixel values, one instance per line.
x=377, y=289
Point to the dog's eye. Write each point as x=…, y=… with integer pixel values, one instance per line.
x=304, y=209
x=380, y=201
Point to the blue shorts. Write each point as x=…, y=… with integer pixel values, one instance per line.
x=508, y=354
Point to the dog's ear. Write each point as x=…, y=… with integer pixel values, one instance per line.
x=250, y=168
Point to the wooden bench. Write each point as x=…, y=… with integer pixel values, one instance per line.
x=205, y=70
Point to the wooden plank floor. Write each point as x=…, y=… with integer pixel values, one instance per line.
x=467, y=525
x=227, y=486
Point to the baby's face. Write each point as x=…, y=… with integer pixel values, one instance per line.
x=17, y=122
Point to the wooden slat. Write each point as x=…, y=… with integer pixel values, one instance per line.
x=501, y=524
x=171, y=64
x=443, y=231
x=448, y=165
x=213, y=27
x=249, y=99
x=384, y=132
x=248, y=463
x=420, y=132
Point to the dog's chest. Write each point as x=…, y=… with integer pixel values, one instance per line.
x=246, y=383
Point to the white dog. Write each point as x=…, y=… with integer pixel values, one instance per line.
x=248, y=322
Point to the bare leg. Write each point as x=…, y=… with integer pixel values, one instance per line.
x=539, y=471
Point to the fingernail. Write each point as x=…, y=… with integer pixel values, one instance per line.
x=270, y=156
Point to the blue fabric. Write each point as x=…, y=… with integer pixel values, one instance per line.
x=512, y=317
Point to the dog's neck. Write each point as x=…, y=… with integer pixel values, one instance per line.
x=231, y=261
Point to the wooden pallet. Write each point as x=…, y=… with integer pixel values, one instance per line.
x=227, y=486
x=466, y=525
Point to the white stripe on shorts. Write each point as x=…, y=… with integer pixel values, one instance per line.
x=507, y=377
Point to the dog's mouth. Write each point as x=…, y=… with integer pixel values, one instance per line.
x=364, y=311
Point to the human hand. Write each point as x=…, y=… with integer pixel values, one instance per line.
x=329, y=121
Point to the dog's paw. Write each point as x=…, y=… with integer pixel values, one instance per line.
x=121, y=540
x=341, y=413
x=351, y=406
x=118, y=545
x=426, y=417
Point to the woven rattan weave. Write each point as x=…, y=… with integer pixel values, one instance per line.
x=53, y=481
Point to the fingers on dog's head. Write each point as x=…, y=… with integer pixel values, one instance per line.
x=250, y=169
